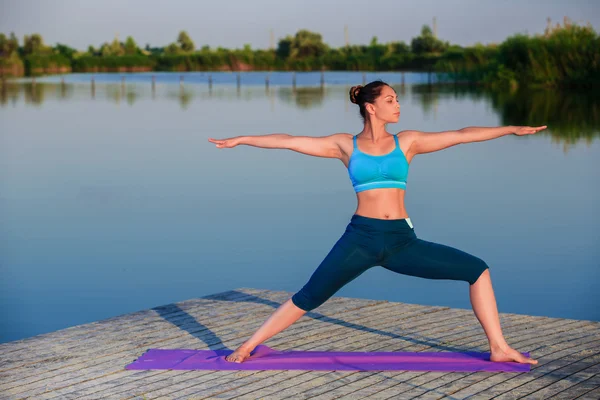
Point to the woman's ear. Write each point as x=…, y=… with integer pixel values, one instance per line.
x=370, y=108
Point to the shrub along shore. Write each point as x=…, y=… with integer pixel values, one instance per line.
x=563, y=56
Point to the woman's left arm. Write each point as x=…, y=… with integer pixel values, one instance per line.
x=427, y=142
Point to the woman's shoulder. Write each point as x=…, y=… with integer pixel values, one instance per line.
x=344, y=142
x=407, y=136
x=342, y=138
x=407, y=133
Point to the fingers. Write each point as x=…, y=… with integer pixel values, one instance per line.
x=219, y=143
x=528, y=130
x=537, y=128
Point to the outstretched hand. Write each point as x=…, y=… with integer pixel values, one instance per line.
x=528, y=130
x=225, y=143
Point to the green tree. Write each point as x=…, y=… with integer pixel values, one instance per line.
x=284, y=47
x=185, y=42
x=33, y=44
x=113, y=49
x=398, y=48
x=303, y=45
x=130, y=46
x=376, y=50
x=116, y=48
x=173, y=48
x=12, y=44
x=65, y=50
x=3, y=45
x=427, y=43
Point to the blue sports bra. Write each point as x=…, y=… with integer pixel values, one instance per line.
x=384, y=171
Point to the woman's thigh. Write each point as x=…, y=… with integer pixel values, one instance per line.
x=430, y=260
x=348, y=259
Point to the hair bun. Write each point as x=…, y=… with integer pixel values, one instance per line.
x=354, y=93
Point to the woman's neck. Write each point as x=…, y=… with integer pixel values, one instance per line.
x=374, y=131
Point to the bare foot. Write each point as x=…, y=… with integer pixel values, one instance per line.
x=509, y=354
x=239, y=355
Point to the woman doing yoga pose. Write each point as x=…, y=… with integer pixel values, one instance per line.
x=380, y=232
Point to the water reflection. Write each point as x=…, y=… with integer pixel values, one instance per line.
x=64, y=92
x=571, y=116
x=182, y=95
x=9, y=93
x=120, y=93
x=304, y=97
x=34, y=94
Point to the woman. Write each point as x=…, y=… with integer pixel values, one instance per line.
x=380, y=232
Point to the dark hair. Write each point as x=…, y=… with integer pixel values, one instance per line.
x=366, y=94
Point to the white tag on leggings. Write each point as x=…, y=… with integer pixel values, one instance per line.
x=409, y=223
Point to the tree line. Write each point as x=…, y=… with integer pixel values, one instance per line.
x=563, y=55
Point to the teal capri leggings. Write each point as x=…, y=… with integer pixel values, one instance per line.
x=392, y=244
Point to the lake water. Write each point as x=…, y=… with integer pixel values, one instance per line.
x=112, y=200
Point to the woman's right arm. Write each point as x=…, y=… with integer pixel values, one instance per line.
x=324, y=146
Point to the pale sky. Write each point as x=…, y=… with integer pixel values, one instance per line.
x=233, y=23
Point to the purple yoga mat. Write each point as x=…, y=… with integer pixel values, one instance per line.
x=265, y=358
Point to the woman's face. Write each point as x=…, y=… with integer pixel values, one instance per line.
x=386, y=107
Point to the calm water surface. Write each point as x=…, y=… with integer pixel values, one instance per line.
x=112, y=200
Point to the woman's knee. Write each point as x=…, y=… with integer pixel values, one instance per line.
x=477, y=268
x=307, y=301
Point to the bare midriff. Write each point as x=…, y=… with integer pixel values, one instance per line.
x=382, y=203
